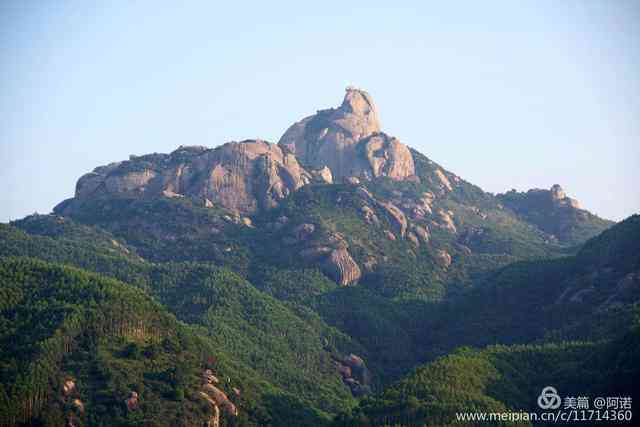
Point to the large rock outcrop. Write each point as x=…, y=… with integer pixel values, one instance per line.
x=241, y=176
x=329, y=252
x=348, y=140
x=341, y=267
x=355, y=374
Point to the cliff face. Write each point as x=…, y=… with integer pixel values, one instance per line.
x=240, y=176
x=348, y=140
x=252, y=175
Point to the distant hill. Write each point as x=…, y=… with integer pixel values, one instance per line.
x=555, y=213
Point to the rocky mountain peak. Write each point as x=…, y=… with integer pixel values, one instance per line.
x=557, y=193
x=348, y=140
x=358, y=113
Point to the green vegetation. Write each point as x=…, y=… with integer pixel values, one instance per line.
x=289, y=345
x=571, y=226
x=60, y=323
x=500, y=379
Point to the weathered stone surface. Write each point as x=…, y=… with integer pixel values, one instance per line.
x=446, y=221
x=209, y=377
x=557, y=193
x=388, y=157
x=214, y=420
x=132, y=401
x=221, y=399
x=68, y=387
x=341, y=267
x=444, y=181
x=396, y=216
x=443, y=258
x=560, y=198
x=322, y=176
x=241, y=176
x=348, y=140
x=355, y=374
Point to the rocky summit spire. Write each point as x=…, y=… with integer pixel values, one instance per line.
x=348, y=141
x=358, y=113
x=557, y=193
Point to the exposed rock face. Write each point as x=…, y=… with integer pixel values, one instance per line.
x=209, y=378
x=560, y=197
x=221, y=399
x=444, y=181
x=68, y=387
x=322, y=176
x=388, y=157
x=343, y=144
x=446, y=221
x=329, y=253
x=341, y=267
x=355, y=374
x=132, y=401
x=396, y=216
x=348, y=140
x=216, y=398
x=241, y=176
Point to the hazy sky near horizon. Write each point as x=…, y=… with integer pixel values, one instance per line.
x=505, y=94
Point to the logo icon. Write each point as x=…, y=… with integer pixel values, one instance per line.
x=549, y=398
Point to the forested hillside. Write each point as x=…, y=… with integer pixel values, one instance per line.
x=503, y=378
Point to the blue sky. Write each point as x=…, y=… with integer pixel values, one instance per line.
x=505, y=94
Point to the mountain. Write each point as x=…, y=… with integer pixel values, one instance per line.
x=555, y=213
x=579, y=332
x=218, y=204
x=315, y=272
